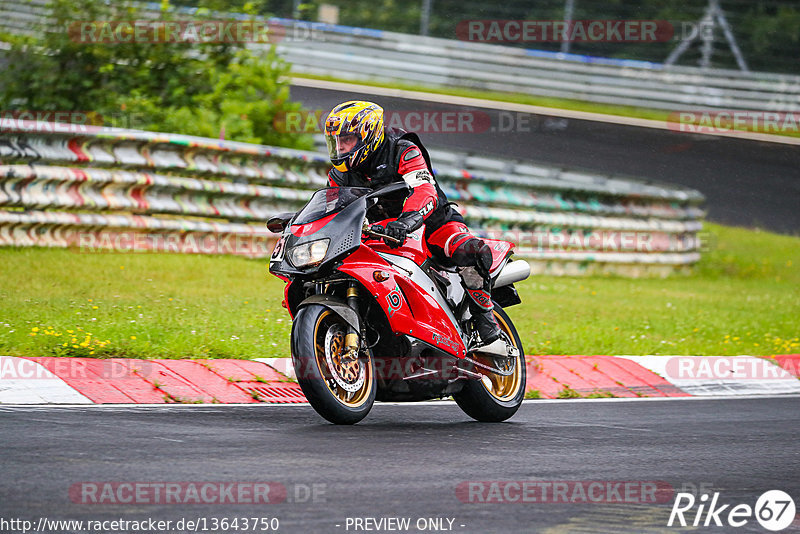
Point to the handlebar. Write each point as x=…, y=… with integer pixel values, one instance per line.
x=368, y=229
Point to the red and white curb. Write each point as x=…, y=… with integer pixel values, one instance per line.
x=726, y=375
x=49, y=380
x=25, y=382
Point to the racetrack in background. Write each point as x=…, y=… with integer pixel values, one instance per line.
x=746, y=183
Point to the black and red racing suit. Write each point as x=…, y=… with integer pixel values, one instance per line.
x=402, y=157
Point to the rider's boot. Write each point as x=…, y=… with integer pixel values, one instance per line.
x=482, y=308
x=484, y=320
x=475, y=257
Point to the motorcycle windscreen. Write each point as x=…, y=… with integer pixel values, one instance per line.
x=327, y=202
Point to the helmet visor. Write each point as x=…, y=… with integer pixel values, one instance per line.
x=341, y=146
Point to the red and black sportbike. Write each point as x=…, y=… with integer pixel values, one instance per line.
x=376, y=323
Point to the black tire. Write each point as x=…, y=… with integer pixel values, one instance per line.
x=311, y=327
x=507, y=394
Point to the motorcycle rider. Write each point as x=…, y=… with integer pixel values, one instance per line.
x=366, y=154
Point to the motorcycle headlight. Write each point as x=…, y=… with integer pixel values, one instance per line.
x=309, y=253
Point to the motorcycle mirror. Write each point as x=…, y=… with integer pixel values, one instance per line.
x=277, y=223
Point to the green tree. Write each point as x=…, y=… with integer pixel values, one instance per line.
x=200, y=89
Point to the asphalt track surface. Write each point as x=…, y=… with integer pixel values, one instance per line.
x=746, y=183
x=404, y=460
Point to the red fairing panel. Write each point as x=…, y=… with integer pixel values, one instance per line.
x=301, y=230
x=286, y=296
x=500, y=251
x=409, y=309
x=430, y=323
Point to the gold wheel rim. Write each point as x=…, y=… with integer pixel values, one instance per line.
x=348, y=369
x=503, y=388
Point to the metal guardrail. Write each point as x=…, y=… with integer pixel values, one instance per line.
x=437, y=62
x=428, y=61
x=102, y=188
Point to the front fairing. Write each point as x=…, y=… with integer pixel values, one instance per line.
x=343, y=228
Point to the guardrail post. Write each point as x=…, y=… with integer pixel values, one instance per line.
x=425, y=17
x=569, y=9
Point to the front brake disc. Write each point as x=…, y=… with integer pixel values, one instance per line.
x=341, y=365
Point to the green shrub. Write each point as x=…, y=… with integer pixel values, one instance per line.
x=209, y=89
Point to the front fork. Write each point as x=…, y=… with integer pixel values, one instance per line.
x=351, y=339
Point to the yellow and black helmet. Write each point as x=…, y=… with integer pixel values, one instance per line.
x=353, y=132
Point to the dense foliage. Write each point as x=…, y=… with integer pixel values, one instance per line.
x=208, y=89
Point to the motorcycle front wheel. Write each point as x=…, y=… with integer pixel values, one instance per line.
x=340, y=388
x=495, y=398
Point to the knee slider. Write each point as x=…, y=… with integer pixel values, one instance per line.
x=485, y=259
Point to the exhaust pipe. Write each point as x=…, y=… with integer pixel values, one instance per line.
x=514, y=271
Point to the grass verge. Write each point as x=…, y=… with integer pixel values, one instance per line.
x=744, y=298
x=61, y=303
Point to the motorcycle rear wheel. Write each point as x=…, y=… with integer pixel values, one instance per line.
x=495, y=398
x=341, y=391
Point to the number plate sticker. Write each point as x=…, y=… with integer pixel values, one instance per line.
x=278, y=251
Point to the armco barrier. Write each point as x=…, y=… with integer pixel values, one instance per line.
x=395, y=57
x=100, y=189
x=429, y=61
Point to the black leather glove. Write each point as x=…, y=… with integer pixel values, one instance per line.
x=399, y=229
